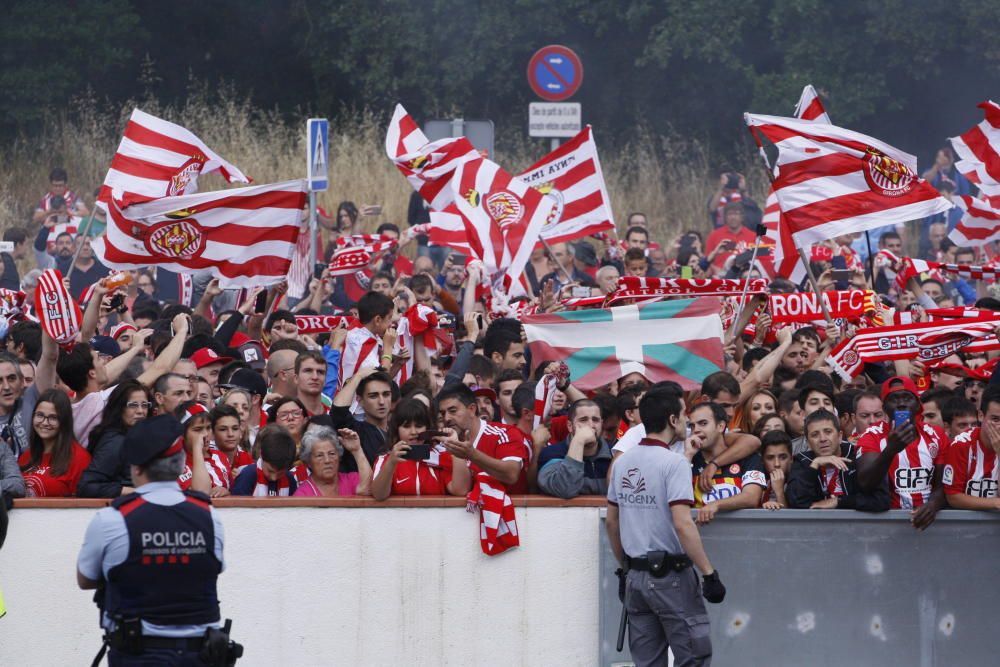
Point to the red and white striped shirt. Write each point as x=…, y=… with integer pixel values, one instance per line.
x=219, y=469
x=361, y=350
x=969, y=467
x=911, y=473
x=504, y=443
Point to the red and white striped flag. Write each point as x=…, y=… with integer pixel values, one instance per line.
x=545, y=392
x=810, y=107
x=58, y=314
x=571, y=175
x=978, y=151
x=447, y=229
x=157, y=158
x=245, y=237
x=417, y=326
x=503, y=215
x=427, y=166
x=980, y=223
x=786, y=261
x=833, y=181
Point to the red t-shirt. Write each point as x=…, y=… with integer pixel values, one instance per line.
x=911, y=473
x=41, y=483
x=721, y=234
x=504, y=443
x=969, y=467
x=420, y=478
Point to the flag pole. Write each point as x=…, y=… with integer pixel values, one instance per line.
x=559, y=267
x=81, y=234
x=761, y=231
x=871, y=261
x=802, y=253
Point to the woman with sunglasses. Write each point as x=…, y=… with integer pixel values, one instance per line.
x=108, y=475
x=54, y=462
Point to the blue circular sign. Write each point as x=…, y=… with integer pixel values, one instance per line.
x=555, y=73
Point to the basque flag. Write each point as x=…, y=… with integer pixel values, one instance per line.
x=679, y=340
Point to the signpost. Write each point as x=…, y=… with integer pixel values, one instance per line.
x=317, y=173
x=555, y=74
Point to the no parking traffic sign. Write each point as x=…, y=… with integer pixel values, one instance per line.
x=555, y=73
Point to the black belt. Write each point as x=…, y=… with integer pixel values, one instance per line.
x=659, y=563
x=176, y=643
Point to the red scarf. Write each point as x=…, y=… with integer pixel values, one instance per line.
x=266, y=487
x=497, y=523
x=635, y=287
x=850, y=305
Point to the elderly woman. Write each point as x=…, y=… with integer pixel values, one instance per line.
x=321, y=452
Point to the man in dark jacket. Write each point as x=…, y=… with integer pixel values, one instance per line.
x=578, y=465
x=824, y=477
x=108, y=474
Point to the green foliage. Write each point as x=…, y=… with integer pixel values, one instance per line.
x=910, y=73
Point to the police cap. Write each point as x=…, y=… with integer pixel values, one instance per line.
x=154, y=438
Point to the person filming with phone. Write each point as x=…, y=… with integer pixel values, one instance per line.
x=906, y=449
x=417, y=464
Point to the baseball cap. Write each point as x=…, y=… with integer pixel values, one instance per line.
x=207, y=356
x=105, y=345
x=121, y=328
x=154, y=438
x=252, y=352
x=252, y=381
x=485, y=391
x=899, y=383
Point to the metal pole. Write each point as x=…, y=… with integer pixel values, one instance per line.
x=556, y=142
x=871, y=261
x=815, y=285
x=312, y=232
x=559, y=267
x=746, y=281
x=80, y=234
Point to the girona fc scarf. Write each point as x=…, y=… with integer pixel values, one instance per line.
x=850, y=305
x=265, y=487
x=926, y=341
x=314, y=324
x=417, y=326
x=913, y=267
x=58, y=314
x=497, y=523
x=634, y=287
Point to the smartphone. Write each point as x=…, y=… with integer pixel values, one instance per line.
x=318, y=269
x=839, y=272
x=580, y=292
x=117, y=301
x=373, y=209
x=427, y=437
x=687, y=272
x=900, y=417
x=260, y=303
x=418, y=453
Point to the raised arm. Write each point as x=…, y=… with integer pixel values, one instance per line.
x=170, y=354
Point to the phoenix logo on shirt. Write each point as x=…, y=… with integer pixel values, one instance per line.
x=633, y=485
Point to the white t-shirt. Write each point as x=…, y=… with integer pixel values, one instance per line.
x=636, y=433
x=87, y=413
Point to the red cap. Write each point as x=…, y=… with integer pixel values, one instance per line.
x=899, y=383
x=119, y=329
x=238, y=339
x=207, y=356
x=485, y=391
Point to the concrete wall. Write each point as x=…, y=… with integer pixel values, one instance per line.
x=336, y=585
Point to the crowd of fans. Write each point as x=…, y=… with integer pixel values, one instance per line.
x=270, y=411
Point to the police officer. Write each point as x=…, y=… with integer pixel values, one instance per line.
x=654, y=537
x=155, y=556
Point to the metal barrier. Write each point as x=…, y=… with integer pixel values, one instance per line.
x=832, y=587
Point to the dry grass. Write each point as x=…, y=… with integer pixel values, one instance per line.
x=668, y=179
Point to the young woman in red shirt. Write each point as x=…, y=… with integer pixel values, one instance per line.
x=55, y=460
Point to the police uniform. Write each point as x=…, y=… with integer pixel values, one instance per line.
x=158, y=553
x=662, y=592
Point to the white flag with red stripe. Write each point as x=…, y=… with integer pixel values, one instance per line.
x=979, y=225
x=786, y=260
x=833, y=181
x=503, y=216
x=447, y=229
x=157, y=158
x=979, y=153
x=245, y=236
x=571, y=175
x=810, y=107
x=427, y=166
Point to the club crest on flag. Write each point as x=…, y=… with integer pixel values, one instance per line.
x=416, y=163
x=890, y=177
x=504, y=208
x=176, y=239
x=550, y=189
x=180, y=181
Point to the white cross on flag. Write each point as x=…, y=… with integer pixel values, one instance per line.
x=678, y=340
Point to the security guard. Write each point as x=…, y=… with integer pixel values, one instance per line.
x=154, y=557
x=655, y=539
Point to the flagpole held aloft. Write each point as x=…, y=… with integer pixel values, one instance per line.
x=80, y=235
